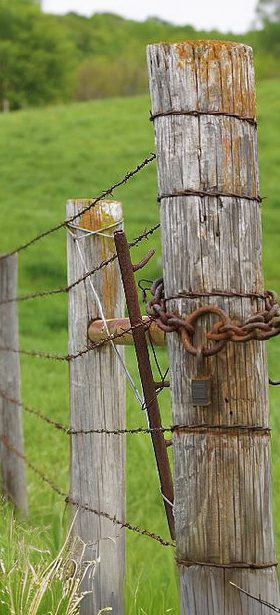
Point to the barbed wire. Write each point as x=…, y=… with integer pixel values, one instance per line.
x=34, y=411
x=100, y=310
x=79, y=505
x=66, y=289
x=69, y=357
x=123, y=524
x=134, y=430
x=31, y=465
x=72, y=431
x=256, y=598
x=103, y=195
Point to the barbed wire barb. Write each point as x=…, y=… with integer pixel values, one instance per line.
x=68, y=357
x=79, y=505
x=35, y=412
x=66, y=289
x=256, y=598
x=103, y=195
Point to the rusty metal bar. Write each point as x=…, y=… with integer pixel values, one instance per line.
x=148, y=385
x=118, y=326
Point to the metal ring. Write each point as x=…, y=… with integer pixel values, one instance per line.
x=191, y=320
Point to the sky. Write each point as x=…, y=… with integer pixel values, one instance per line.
x=227, y=16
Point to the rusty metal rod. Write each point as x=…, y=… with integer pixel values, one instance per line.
x=122, y=328
x=148, y=385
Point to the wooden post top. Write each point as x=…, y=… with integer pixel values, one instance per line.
x=206, y=75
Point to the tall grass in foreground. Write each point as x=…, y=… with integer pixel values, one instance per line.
x=31, y=581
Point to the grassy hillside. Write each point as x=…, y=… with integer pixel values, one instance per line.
x=79, y=150
x=49, y=58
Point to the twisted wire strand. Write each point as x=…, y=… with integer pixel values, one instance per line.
x=103, y=195
x=68, y=357
x=65, y=289
x=99, y=305
x=79, y=505
x=190, y=428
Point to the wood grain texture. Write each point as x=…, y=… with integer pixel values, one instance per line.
x=12, y=467
x=222, y=481
x=97, y=397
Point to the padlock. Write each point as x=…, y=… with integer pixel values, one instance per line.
x=201, y=385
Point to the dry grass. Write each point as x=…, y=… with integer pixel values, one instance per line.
x=30, y=584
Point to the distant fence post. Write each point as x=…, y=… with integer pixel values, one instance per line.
x=203, y=107
x=12, y=466
x=97, y=398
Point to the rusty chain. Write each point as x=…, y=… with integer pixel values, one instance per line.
x=260, y=326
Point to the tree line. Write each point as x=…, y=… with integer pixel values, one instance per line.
x=48, y=58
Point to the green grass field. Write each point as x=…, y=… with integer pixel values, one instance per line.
x=50, y=155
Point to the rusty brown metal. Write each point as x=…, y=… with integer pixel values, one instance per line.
x=148, y=385
x=144, y=260
x=192, y=318
x=97, y=331
x=161, y=384
x=260, y=326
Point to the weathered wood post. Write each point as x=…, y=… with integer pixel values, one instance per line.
x=203, y=103
x=97, y=398
x=12, y=467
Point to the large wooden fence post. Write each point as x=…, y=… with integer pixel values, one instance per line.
x=97, y=397
x=12, y=466
x=203, y=103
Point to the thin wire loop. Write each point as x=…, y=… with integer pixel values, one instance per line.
x=100, y=308
x=209, y=193
x=66, y=289
x=197, y=113
x=88, y=233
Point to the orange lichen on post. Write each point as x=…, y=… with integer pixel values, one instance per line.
x=104, y=217
x=237, y=77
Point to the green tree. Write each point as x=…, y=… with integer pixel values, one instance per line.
x=35, y=57
x=101, y=77
x=268, y=11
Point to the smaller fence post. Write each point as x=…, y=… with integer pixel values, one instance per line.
x=97, y=400
x=12, y=466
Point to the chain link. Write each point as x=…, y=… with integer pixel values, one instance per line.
x=260, y=326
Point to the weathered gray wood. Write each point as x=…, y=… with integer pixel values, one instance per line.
x=222, y=480
x=12, y=466
x=97, y=397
